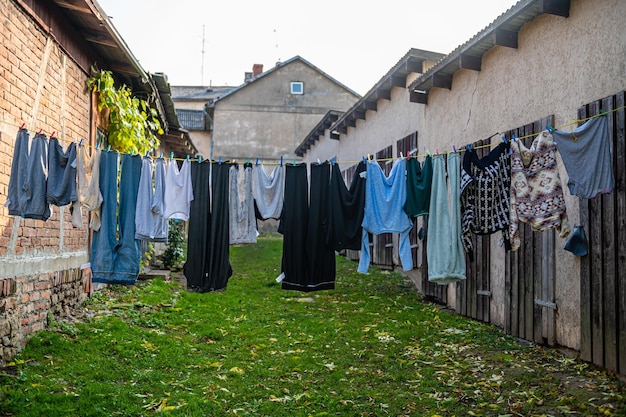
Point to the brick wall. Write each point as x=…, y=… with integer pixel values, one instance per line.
x=44, y=88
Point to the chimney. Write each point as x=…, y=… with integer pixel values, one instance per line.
x=247, y=77
x=257, y=69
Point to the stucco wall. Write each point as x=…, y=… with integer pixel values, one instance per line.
x=43, y=88
x=560, y=64
x=264, y=120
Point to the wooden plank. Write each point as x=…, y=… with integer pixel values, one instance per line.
x=619, y=155
x=442, y=81
x=486, y=277
x=555, y=7
x=509, y=261
x=470, y=62
x=548, y=282
x=586, y=341
x=420, y=97
x=609, y=285
x=505, y=38
x=595, y=251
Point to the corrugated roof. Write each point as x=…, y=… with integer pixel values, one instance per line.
x=502, y=31
x=411, y=62
x=327, y=121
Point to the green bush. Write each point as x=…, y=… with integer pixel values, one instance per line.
x=174, y=255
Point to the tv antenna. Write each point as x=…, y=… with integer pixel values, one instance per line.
x=202, y=65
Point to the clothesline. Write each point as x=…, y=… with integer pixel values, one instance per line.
x=369, y=157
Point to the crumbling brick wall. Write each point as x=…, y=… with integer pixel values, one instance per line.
x=42, y=87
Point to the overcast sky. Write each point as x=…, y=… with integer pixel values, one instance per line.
x=354, y=41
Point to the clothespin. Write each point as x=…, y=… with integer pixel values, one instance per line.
x=80, y=143
x=504, y=139
x=408, y=155
x=171, y=155
x=97, y=146
x=332, y=161
x=52, y=135
x=549, y=128
x=401, y=156
x=40, y=130
x=147, y=154
x=437, y=151
x=428, y=152
x=199, y=159
x=22, y=127
x=188, y=158
x=219, y=160
x=468, y=147
x=281, y=160
x=294, y=162
x=132, y=152
x=454, y=148
x=363, y=158
x=109, y=148
x=369, y=158
x=257, y=162
x=247, y=161
x=161, y=156
x=602, y=112
x=513, y=138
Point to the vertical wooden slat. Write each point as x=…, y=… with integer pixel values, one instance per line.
x=509, y=262
x=619, y=156
x=586, y=341
x=486, y=277
x=608, y=251
x=595, y=253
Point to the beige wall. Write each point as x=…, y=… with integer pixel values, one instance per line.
x=263, y=120
x=559, y=65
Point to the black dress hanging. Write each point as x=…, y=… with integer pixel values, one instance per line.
x=346, y=209
x=308, y=263
x=208, y=261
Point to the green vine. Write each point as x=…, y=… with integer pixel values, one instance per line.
x=174, y=255
x=133, y=125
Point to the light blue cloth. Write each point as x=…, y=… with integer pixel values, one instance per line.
x=384, y=211
x=444, y=248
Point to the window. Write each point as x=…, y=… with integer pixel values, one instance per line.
x=297, y=87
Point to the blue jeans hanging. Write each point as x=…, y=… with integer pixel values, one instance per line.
x=115, y=253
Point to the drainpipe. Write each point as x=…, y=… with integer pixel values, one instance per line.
x=210, y=120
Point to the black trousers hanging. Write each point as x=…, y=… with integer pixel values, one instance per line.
x=308, y=264
x=208, y=261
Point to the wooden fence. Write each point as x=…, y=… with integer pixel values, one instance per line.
x=603, y=276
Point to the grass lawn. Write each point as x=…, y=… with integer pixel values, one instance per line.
x=370, y=347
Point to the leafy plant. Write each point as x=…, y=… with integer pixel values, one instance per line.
x=175, y=253
x=133, y=124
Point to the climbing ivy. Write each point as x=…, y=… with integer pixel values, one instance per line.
x=133, y=125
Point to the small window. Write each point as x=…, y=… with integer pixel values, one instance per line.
x=297, y=87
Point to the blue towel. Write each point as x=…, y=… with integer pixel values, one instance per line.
x=446, y=257
x=384, y=211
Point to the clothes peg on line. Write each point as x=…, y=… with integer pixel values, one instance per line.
x=363, y=159
x=188, y=158
x=199, y=159
x=219, y=160
x=80, y=143
x=401, y=156
x=109, y=148
x=513, y=138
x=52, y=135
x=454, y=148
x=437, y=151
x=22, y=127
x=468, y=147
x=171, y=156
x=40, y=130
x=257, y=162
x=294, y=162
x=504, y=139
x=161, y=156
x=332, y=161
x=281, y=160
x=549, y=128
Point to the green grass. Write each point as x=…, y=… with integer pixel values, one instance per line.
x=370, y=347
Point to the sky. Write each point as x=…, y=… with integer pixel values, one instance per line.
x=354, y=41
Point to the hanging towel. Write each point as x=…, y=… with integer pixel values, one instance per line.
x=242, y=217
x=346, y=209
x=444, y=249
x=149, y=221
x=268, y=191
x=19, y=173
x=35, y=204
x=485, y=199
x=89, y=195
x=418, y=182
x=178, y=190
x=586, y=154
x=61, y=187
x=536, y=190
x=208, y=262
x=384, y=212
